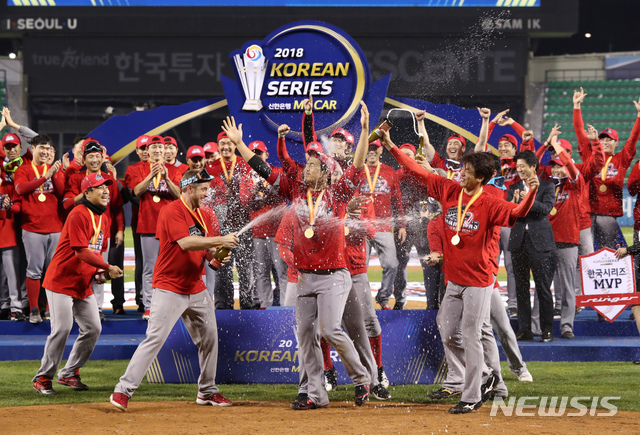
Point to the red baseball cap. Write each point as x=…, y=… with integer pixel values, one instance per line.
x=210, y=148
x=10, y=139
x=170, y=140
x=376, y=143
x=408, y=146
x=610, y=132
x=143, y=141
x=258, y=145
x=556, y=161
x=91, y=145
x=509, y=138
x=156, y=139
x=222, y=135
x=566, y=145
x=344, y=133
x=195, y=151
x=314, y=146
x=458, y=137
x=94, y=180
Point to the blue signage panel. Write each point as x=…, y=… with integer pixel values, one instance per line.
x=262, y=347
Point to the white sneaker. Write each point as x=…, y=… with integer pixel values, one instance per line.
x=525, y=377
x=382, y=377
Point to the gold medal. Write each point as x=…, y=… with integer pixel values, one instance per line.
x=603, y=188
x=156, y=198
x=553, y=211
x=346, y=231
x=308, y=233
x=455, y=239
x=42, y=197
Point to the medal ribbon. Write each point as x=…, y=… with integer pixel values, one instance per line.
x=461, y=215
x=603, y=173
x=372, y=183
x=450, y=174
x=96, y=228
x=156, y=179
x=199, y=220
x=313, y=208
x=229, y=175
x=35, y=169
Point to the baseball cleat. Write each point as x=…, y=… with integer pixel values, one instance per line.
x=443, y=393
x=525, y=377
x=119, y=400
x=488, y=388
x=302, y=403
x=464, y=407
x=18, y=316
x=216, y=399
x=382, y=377
x=331, y=379
x=73, y=382
x=46, y=315
x=380, y=392
x=362, y=394
x=43, y=386
x=146, y=315
x=34, y=316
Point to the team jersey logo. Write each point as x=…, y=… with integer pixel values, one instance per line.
x=162, y=186
x=612, y=171
x=469, y=225
x=47, y=187
x=97, y=246
x=382, y=186
x=195, y=230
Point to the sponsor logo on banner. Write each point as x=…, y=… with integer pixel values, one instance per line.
x=608, y=284
x=301, y=59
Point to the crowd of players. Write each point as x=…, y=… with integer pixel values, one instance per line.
x=312, y=228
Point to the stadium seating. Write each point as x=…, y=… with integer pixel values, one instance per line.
x=608, y=104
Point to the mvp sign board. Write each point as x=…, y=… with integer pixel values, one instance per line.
x=608, y=284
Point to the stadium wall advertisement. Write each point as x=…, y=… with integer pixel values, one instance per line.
x=262, y=347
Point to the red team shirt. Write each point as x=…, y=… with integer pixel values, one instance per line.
x=633, y=184
x=386, y=194
x=40, y=217
x=566, y=221
x=467, y=263
x=149, y=210
x=67, y=274
x=359, y=231
x=176, y=270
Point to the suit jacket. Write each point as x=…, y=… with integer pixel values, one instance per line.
x=537, y=220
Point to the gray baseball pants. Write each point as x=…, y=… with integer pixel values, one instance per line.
x=197, y=313
x=266, y=255
x=604, y=230
x=63, y=309
x=98, y=289
x=150, y=248
x=464, y=311
x=39, y=249
x=15, y=298
x=386, y=248
x=319, y=307
x=584, y=248
x=564, y=286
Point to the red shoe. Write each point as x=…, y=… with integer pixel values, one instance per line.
x=73, y=382
x=385, y=307
x=216, y=399
x=146, y=315
x=43, y=386
x=119, y=400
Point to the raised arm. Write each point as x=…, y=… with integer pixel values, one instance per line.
x=308, y=123
x=630, y=146
x=584, y=145
x=481, y=145
x=363, y=141
x=428, y=149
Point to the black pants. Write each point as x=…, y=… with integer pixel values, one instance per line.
x=242, y=256
x=116, y=258
x=543, y=266
x=137, y=248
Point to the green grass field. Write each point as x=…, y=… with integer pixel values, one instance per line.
x=374, y=275
x=550, y=379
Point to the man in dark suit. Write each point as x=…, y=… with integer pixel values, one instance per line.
x=533, y=249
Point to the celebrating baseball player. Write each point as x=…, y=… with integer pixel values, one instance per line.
x=187, y=234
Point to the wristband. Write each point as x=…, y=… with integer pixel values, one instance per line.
x=308, y=112
x=281, y=135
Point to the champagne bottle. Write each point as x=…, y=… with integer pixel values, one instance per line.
x=384, y=125
x=421, y=146
x=221, y=254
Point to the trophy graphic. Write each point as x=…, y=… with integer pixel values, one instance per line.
x=251, y=67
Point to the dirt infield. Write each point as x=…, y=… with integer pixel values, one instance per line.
x=276, y=418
